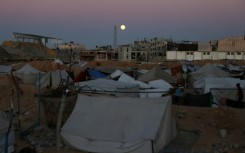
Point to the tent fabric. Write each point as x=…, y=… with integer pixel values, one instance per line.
x=116, y=73
x=234, y=104
x=82, y=76
x=109, y=70
x=152, y=93
x=128, y=79
x=28, y=74
x=3, y=131
x=222, y=88
x=53, y=79
x=155, y=74
x=108, y=124
x=222, y=83
x=94, y=74
x=202, y=100
x=207, y=71
x=160, y=84
x=28, y=69
x=5, y=68
x=107, y=86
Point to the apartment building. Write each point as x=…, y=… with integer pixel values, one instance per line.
x=158, y=48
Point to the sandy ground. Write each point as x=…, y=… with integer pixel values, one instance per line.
x=206, y=123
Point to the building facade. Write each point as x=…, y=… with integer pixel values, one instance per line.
x=232, y=48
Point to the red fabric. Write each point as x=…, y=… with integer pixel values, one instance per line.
x=81, y=77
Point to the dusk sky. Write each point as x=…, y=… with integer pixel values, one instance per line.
x=91, y=22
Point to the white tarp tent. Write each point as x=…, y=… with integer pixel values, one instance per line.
x=223, y=88
x=120, y=125
x=126, y=78
x=53, y=79
x=207, y=71
x=28, y=74
x=158, y=88
x=108, y=86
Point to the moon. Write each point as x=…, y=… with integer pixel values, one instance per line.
x=123, y=27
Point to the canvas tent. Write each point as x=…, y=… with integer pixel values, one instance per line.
x=158, y=88
x=129, y=125
x=128, y=79
x=207, y=71
x=155, y=74
x=223, y=88
x=109, y=87
x=28, y=74
x=53, y=79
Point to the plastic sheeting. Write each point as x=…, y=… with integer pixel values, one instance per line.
x=109, y=86
x=156, y=73
x=107, y=124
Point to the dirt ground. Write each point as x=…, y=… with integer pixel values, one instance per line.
x=205, y=122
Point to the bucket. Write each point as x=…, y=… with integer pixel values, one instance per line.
x=223, y=133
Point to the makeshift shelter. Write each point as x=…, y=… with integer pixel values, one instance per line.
x=54, y=79
x=155, y=74
x=223, y=88
x=129, y=125
x=109, y=87
x=28, y=74
x=5, y=69
x=7, y=136
x=202, y=100
x=207, y=71
x=128, y=79
x=95, y=74
x=158, y=88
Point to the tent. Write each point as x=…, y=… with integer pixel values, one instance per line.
x=28, y=74
x=5, y=69
x=54, y=79
x=3, y=134
x=129, y=125
x=94, y=74
x=128, y=79
x=108, y=86
x=202, y=100
x=207, y=71
x=223, y=88
x=157, y=89
x=155, y=74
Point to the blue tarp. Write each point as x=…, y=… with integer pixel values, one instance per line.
x=95, y=74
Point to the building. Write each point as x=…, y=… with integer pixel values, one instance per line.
x=232, y=48
x=69, y=50
x=158, y=48
x=125, y=52
x=141, y=50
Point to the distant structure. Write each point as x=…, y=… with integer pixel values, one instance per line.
x=65, y=49
x=115, y=38
x=230, y=48
x=28, y=47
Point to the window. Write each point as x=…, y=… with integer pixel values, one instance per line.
x=204, y=53
x=232, y=53
x=191, y=53
x=238, y=53
x=187, y=53
x=208, y=53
